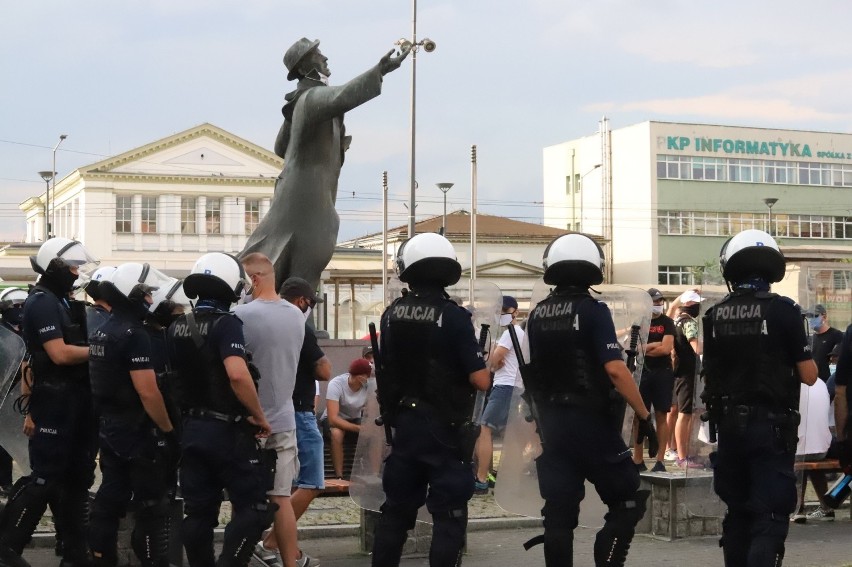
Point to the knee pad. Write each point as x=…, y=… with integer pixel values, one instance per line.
x=448, y=537
x=613, y=540
x=23, y=511
x=244, y=530
x=396, y=515
x=561, y=514
x=150, y=537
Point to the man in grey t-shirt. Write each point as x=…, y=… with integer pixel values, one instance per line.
x=274, y=330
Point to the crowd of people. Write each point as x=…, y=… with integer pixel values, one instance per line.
x=209, y=386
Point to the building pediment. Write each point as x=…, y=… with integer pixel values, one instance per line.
x=507, y=268
x=204, y=151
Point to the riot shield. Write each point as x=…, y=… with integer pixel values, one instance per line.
x=699, y=493
x=516, y=490
x=365, y=486
x=12, y=351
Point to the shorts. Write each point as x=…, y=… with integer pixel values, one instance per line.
x=287, y=463
x=684, y=391
x=656, y=387
x=496, y=411
x=310, y=444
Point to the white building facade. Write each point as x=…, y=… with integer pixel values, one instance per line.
x=666, y=196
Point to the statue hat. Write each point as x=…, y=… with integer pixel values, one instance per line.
x=294, y=55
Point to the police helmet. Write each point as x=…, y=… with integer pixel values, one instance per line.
x=12, y=305
x=131, y=282
x=428, y=258
x=100, y=275
x=59, y=253
x=752, y=253
x=573, y=259
x=216, y=276
x=171, y=293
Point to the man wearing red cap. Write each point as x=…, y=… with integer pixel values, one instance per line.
x=345, y=397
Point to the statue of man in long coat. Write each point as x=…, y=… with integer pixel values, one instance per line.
x=300, y=231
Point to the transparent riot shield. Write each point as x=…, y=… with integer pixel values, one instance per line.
x=516, y=490
x=365, y=486
x=700, y=496
x=12, y=438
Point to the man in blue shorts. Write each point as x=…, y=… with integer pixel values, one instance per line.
x=504, y=364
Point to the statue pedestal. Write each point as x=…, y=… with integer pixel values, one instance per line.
x=669, y=516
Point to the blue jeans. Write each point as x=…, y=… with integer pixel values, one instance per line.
x=496, y=411
x=310, y=446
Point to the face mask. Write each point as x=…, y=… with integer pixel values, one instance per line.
x=657, y=309
x=832, y=368
x=307, y=312
x=315, y=75
x=815, y=322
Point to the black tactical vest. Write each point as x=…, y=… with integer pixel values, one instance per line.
x=746, y=366
x=112, y=386
x=560, y=365
x=418, y=358
x=73, y=323
x=200, y=378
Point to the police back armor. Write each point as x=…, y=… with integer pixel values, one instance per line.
x=747, y=367
x=112, y=386
x=418, y=362
x=73, y=317
x=561, y=370
x=201, y=382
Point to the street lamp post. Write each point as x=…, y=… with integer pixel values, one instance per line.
x=428, y=46
x=47, y=176
x=770, y=201
x=444, y=187
x=53, y=211
x=580, y=184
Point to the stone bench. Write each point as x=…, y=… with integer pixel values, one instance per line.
x=680, y=508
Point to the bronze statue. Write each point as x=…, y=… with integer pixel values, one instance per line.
x=300, y=231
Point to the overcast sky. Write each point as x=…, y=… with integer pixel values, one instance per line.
x=510, y=77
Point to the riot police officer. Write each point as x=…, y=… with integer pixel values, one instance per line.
x=64, y=442
x=431, y=367
x=575, y=370
x=222, y=417
x=755, y=354
x=138, y=443
x=11, y=317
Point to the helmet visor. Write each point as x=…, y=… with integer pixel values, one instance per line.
x=151, y=279
x=75, y=255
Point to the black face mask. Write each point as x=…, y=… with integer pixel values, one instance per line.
x=691, y=310
x=163, y=314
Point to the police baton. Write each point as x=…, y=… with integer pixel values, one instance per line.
x=525, y=369
x=381, y=386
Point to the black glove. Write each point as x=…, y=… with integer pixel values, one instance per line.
x=168, y=449
x=646, y=430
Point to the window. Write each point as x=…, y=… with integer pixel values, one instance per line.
x=676, y=275
x=123, y=211
x=149, y=214
x=213, y=216
x=187, y=215
x=252, y=215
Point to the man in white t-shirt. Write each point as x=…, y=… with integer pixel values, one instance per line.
x=274, y=331
x=504, y=364
x=345, y=398
x=814, y=441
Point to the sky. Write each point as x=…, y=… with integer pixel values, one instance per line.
x=508, y=77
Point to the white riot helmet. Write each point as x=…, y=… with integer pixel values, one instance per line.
x=12, y=305
x=56, y=255
x=100, y=275
x=132, y=282
x=172, y=292
x=13, y=296
x=573, y=259
x=428, y=258
x=216, y=276
x=752, y=253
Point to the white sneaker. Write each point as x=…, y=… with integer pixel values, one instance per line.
x=670, y=455
x=821, y=515
x=268, y=557
x=306, y=561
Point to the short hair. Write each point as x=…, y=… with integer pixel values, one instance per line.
x=256, y=261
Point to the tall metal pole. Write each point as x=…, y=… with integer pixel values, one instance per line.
x=47, y=176
x=444, y=187
x=413, y=183
x=472, y=221
x=384, y=238
x=770, y=201
x=53, y=212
